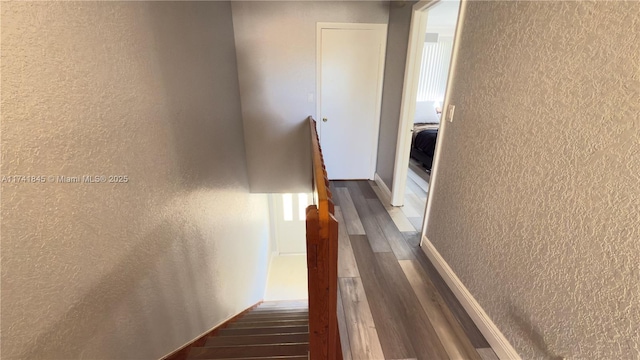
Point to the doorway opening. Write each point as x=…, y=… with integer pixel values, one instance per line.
x=424, y=108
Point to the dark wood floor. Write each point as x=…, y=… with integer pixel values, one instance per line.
x=393, y=304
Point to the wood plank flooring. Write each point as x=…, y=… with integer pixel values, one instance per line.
x=408, y=217
x=392, y=303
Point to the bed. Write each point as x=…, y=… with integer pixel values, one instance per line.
x=423, y=144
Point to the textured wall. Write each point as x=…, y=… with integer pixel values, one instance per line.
x=276, y=44
x=396, y=58
x=537, y=199
x=134, y=270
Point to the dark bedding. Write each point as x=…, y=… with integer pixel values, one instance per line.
x=423, y=145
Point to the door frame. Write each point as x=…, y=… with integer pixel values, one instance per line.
x=382, y=28
x=415, y=47
x=418, y=25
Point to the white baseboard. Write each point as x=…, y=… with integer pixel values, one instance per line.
x=385, y=190
x=496, y=339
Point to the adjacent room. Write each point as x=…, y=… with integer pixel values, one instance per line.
x=432, y=84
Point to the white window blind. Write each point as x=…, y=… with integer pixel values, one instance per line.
x=434, y=69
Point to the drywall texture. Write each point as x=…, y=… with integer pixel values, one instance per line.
x=395, y=61
x=123, y=270
x=537, y=197
x=276, y=45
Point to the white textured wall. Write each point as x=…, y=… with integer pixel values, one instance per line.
x=276, y=45
x=537, y=199
x=135, y=270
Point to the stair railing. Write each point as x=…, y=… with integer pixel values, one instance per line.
x=322, y=262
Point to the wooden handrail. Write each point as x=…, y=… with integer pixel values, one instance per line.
x=322, y=261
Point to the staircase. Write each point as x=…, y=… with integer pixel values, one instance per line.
x=273, y=330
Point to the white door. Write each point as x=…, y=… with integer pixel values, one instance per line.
x=350, y=71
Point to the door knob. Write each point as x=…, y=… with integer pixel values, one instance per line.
x=324, y=119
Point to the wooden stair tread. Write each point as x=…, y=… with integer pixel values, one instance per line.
x=280, y=311
x=299, y=309
x=260, y=307
x=263, y=324
x=262, y=350
x=265, y=330
x=276, y=331
x=284, y=303
x=274, y=318
x=294, y=357
x=257, y=339
x=278, y=314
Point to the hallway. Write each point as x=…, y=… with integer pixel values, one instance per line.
x=392, y=303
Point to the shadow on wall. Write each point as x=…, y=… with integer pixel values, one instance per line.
x=95, y=310
x=201, y=84
x=164, y=274
x=273, y=143
x=534, y=333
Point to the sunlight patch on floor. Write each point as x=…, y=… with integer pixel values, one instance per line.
x=287, y=279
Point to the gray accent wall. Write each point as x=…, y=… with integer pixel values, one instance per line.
x=276, y=45
x=536, y=201
x=397, y=42
x=135, y=269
